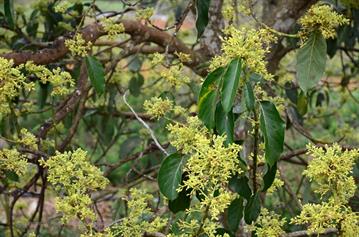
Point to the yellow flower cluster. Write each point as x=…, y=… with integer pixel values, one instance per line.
x=251, y=45
x=27, y=139
x=72, y=174
x=157, y=107
x=268, y=224
x=61, y=81
x=319, y=217
x=112, y=28
x=209, y=166
x=183, y=57
x=330, y=169
x=62, y=6
x=322, y=18
x=11, y=80
x=174, y=75
x=277, y=183
x=139, y=215
x=78, y=46
x=144, y=14
x=12, y=160
x=157, y=59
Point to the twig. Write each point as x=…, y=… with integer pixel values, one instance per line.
x=144, y=124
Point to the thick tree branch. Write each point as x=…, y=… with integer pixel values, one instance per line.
x=138, y=31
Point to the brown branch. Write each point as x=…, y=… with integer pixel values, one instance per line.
x=137, y=30
x=304, y=233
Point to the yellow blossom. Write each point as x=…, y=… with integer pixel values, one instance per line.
x=27, y=139
x=174, y=75
x=71, y=173
x=112, y=28
x=157, y=107
x=251, y=45
x=268, y=224
x=157, y=59
x=11, y=81
x=322, y=18
x=140, y=218
x=61, y=81
x=12, y=160
x=78, y=46
x=330, y=169
x=144, y=14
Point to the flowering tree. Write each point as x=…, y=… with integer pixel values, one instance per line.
x=179, y=118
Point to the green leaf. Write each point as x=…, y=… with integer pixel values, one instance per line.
x=230, y=84
x=273, y=128
x=208, y=98
x=249, y=96
x=235, y=214
x=302, y=104
x=311, y=59
x=239, y=184
x=96, y=73
x=252, y=209
x=181, y=203
x=9, y=13
x=202, y=7
x=135, y=84
x=43, y=93
x=170, y=175
x=224, y=123
x=269, y=176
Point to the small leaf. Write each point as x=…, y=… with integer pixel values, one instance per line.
x=9, y=13
x=273, y=128
x=235, y=214
x=181, y=203
x=202, y=7
x=311, y=59
x=135, y=84
x=249, y=96
x=225, y=123
x=252, y=209
x=170, y=175
x=43, y=93
x=208, y=98
x=269, y=177
x=230, y=84
x=240, y=186
x=96, y=73
x=302, y=104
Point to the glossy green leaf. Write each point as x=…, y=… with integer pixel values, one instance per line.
x=224, y=123
x=239, y=184
x=269, y=177
x=170, y=175
x=302, y=104
x=202, y=7
x=96, y=73
x=208, y=97
x=311, y=59
x=9, y=13
x=135, y=84
x=181, y=203
x=235, y=214
x=249, y=96
x=273, y=128
x=252, y=209
x=230, y=84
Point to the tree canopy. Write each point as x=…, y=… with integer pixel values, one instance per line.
x=200, y=118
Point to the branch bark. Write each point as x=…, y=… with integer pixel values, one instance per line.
x=137, y=30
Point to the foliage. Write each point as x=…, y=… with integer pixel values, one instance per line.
x=116, y=122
